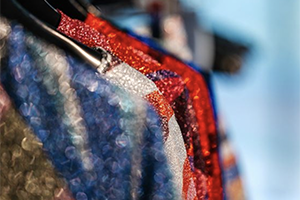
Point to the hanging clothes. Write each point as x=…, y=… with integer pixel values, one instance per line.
x=169, y=84
x=231, y=177
x=104, y=142
x=232, y=180
x=198, y=93
x=141, y=126
x=134, y=82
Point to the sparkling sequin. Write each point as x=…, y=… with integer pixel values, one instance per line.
x=159, y=102
x=188, y=192
x=175, y=143
x=169, y=83
x=132, y=80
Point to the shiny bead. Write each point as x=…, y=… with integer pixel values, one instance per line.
x=122, y=140
x=70, y=152
x=81, y=196
x=26, y=144
x=32, y=187
x=17, y=151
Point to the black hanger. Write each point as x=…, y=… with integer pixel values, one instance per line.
x=13, y=10
x=87, y=6
x=71, y=7
x=76, y=9
x=42, y=10
x=229, y=54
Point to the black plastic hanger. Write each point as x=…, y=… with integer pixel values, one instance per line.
x=42, y=10
x=13, y=10
x=71, y=8
x=87, y=6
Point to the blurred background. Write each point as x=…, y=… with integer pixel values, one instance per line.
x=261, y=102
x=253, y=49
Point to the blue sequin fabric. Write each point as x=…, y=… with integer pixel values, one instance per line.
x=104, y=143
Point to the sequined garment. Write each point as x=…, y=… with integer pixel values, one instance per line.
x=198, y=93
x=232, y=180
x=133, y=81
x=103, y=142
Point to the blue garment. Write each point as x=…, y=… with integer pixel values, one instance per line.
x=105, y=143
